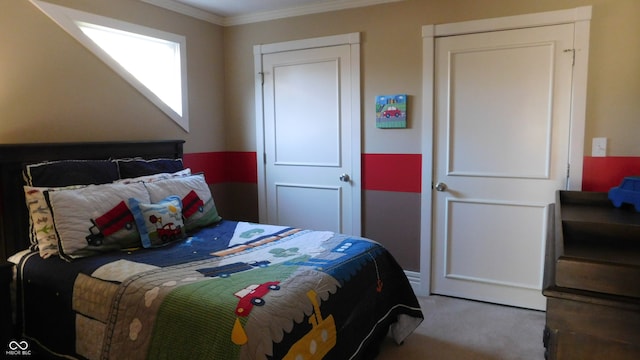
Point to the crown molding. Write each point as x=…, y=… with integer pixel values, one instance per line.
x=187, y=10
x=264, y=15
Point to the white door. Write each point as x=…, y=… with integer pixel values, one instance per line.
x=308, y=133
x=502, y=121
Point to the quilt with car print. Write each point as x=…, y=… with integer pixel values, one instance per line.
x=241, y=291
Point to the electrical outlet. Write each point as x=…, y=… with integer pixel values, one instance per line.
x=599, y=147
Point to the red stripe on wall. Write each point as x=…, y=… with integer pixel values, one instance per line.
x=211, y=163
x=396, y=172
x=384, y=172
x=221, y=167
x=392, y=172
x=603, y=173
x=242, y=167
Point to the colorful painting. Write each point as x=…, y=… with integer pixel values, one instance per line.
x=391, y=111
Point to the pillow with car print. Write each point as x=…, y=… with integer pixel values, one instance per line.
x=159, y=223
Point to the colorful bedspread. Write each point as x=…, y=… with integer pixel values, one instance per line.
x=248, y=291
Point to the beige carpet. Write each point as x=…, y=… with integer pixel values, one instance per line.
x=456, y=329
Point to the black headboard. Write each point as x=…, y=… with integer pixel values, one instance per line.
x=14, y=220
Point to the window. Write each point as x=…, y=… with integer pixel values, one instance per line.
x=153, y=61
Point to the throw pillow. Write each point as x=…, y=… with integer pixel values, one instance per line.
x=95, y=219
x=159, y=223
x=129, y=168
x=42, y=232
x=70, y=172
x=198, y=207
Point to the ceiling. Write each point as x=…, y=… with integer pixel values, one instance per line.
x=228, y=8
x=235, y=12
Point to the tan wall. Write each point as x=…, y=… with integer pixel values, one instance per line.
x=53, y=90
x=391, y=63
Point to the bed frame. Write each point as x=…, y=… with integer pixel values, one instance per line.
x=14, y=220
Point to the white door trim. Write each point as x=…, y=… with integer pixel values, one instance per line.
x=580, y=17
x=352, y=39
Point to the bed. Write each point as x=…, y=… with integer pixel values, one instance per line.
x=138, y=264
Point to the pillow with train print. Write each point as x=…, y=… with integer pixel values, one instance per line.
x=198, y=208
x=95, y=219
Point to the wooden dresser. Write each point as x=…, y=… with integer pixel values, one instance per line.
x=592, y=279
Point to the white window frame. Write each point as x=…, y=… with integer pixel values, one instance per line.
x=69, y=19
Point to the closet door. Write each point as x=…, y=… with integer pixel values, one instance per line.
x=310, y=177
x=502, y=121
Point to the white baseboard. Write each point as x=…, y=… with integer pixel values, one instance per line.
x=414, y=280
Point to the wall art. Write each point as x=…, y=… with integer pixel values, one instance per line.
x=391, y=111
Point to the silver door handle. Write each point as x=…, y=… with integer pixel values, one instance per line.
x=441, y=186
x=344, y=178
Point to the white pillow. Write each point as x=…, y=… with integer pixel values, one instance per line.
x=95, y=219
x=198, y=207
x=41, y=228
x=155, y=177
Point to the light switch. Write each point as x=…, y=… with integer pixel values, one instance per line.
x=599, y=147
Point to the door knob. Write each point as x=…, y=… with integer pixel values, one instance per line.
x=345, y=178
x=441, y=186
